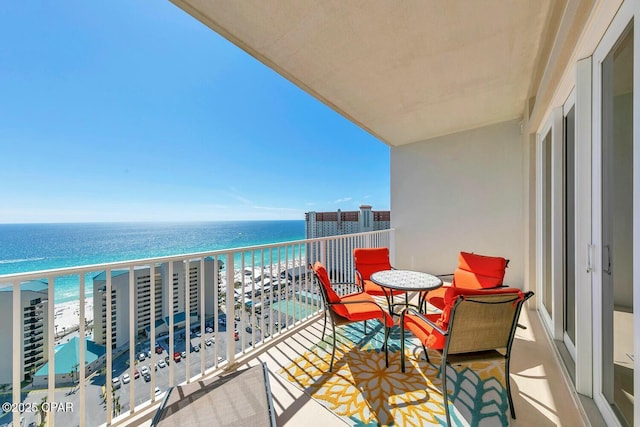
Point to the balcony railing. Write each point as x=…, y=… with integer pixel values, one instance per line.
x=246, y=297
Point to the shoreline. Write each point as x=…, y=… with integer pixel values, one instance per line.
x=66, y=316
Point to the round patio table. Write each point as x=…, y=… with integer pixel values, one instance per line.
x=407, y=280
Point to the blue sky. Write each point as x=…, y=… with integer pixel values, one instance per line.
x=135, y=111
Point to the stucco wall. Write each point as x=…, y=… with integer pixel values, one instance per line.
x=459, y=192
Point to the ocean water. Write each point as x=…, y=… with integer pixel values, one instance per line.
x=33, y=247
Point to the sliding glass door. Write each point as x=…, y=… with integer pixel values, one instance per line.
x=614, y=187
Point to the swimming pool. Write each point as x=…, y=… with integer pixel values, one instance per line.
x=299, y=310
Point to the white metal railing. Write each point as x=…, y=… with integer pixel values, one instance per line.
x=219, y=305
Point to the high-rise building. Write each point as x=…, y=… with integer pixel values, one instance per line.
x=322, y=224
x=142, y=282
x=33, y=316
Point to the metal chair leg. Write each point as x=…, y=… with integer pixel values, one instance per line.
x=426, y=354
x=402, y=342
x=333, y=350
x=445, y=398
x=324, y=327
x=506, y=378
x=386, y=348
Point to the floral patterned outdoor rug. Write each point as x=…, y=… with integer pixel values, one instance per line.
x=364, y=392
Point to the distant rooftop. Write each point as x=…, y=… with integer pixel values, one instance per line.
x=349, y=216
x=31, y=285
x=68, y=355
x=114, y=273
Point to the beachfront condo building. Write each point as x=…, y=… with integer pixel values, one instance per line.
x=323, y=224
x=142, y=282
x=34, y=309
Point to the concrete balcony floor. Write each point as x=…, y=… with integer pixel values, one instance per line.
x=541, y=395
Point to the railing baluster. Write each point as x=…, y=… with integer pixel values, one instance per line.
x=231, y=356
x=82, y=356
x=214, y=279
x=132, y=339
x=109, y=350
x=172, y=348
x=187, y=319
x=262, y=306
x=18, y=331
x=152, y=329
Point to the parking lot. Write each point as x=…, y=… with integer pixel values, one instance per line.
x=249, y=329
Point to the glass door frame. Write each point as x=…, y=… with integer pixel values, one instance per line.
x=553, y=321
x=622, y=19
x=570, y=344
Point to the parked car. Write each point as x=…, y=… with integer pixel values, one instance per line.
x=147, y=377
x=196, y=347
x=162, y=363
x=183, y=354
x=158, y=350
x=209, y=329
x=142, y=356
x=208, y=342
x=248, y=329
x=115, y=382
x=236, y=336
x=176, y=357
x=126, y=379
x=144, y=370
x=157, y=391
x=136, y=373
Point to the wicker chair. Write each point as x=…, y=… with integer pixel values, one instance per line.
x=474, y=325
x=356, y=307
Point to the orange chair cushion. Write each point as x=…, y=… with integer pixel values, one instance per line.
x=479, y=271
x=361, y=311
x=355, y=311
x=430, y=337
x=436, y=297
x=369, y=260
x=373, y=289
x=323, y=276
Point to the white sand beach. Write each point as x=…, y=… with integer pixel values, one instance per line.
x=67, y=315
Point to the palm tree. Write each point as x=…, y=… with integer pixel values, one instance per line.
x=74, y=372
x=41, y=412
x=115, y=400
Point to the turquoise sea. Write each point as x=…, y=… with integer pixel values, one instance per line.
x=34, y=247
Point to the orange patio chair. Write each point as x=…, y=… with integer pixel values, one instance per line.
x=474, y=325
x=356, y=307
x=473, y=272
x=368, y=261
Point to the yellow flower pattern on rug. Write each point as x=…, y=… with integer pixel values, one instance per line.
x=364, y=392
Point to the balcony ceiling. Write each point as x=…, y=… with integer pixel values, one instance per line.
x=405, y=71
